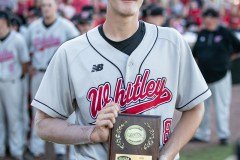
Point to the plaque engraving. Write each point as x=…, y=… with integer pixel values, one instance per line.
x=135, y=137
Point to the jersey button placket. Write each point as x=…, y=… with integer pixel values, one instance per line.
x=129, y=71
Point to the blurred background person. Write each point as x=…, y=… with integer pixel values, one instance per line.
x=45, y=35
x=33, y=14
x=213, y=50
x=84, y=20
x=17, y=26
x=99, y=16
x=9, y=5
x=78, y=4
x=194, y=12
x=154, y=14
x=66, y=9
x=14, y=60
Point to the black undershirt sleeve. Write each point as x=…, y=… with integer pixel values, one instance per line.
x=128, y=45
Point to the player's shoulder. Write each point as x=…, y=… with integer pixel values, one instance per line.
x=169, y=34
x=17, y=37
x=166, y=33
x=36, y=23
x=64, y=21
x=75, y=46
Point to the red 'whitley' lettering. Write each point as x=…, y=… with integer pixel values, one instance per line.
x=138, y=97
x=44, y=43
x=6, y=55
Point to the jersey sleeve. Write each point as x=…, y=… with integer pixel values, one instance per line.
x=192, y=88
x=22, y=50
x=54, y=96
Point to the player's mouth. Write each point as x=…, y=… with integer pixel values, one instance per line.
x=128, y=1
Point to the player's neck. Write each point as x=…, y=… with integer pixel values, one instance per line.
x=118, y=28
x=4, y=32
x=50, y=20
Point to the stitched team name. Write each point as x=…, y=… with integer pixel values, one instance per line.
x=138, y=97
x=44, y=43
x=6, y=56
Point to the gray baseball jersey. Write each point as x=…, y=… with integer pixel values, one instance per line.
x=13, y=52
x=43, y=42
x=87, y=72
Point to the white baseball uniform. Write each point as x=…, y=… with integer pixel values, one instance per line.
x=13, y=52
x=43, y=43
x=87, y=72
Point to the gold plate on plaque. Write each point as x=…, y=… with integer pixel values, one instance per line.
x=135, y=135
x=132, y=157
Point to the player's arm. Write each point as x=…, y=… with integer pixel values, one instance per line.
x=23, y=54
x=192, y=92
x=183, y=132
x=234, y=42
x=24, y=69
x=60, y=131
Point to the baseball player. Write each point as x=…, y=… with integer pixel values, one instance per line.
x=213, y=50
x=84, y=22
x=45, y=35
x=154, y=14
x=16, y=25
x=14, y=60
x=126, y=66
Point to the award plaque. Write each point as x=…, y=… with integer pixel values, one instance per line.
x=135, y=137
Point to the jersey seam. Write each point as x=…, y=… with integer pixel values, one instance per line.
x=91, y=45
x=194, y=99
x=75, y=57
x=168, y=40
x=50, y=108
x=149, y=50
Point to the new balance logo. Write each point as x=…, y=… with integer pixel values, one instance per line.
x=97, y=67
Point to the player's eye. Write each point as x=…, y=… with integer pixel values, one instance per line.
x=46, y=5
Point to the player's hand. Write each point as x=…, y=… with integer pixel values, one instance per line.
x=32, y=71
x=234, y=57
x=105, y=121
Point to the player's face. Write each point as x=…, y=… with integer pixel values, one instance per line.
x=49, y=8
x=125, y=7
x=83, y=28
x=3, y=25
x=210, y=23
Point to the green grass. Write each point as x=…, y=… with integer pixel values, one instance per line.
x=210, y=153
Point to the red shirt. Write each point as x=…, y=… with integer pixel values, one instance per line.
x=23, y=6
x=78, y=4
x=195, y=15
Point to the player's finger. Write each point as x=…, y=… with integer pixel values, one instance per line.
x=105, y=123
x=110, y=104
x=111, y=109
x=107, y=116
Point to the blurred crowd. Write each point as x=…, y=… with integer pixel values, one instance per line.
x=22, y=17
x=180, y=14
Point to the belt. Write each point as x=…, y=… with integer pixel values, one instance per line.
x=7, y=80
x=42, y=70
